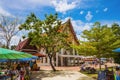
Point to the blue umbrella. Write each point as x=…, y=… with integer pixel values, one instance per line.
x=116, y=50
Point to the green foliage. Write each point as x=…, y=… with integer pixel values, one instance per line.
x=116, y=29
x=45, y=33
x=117, y=58
x=13, y=47
x=85, y=49
x=101, y=40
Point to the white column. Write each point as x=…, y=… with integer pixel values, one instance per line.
x=43, y=59
x=61, y=61
x=62, y=51
x=73, y=48
x=78, y=61
x=68, y=53
x=57, y=59
x=48, y=60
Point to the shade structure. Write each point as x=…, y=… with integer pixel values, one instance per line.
x=1, y=60
x=25, y=59
x=116, y=50
x=11, y=54
x=39, y=55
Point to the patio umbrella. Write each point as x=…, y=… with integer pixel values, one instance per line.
x=11, y=54
x=116, y=50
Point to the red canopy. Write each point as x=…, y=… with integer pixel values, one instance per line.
x=39, y=55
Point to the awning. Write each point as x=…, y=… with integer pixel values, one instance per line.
x=116, y=50
x=39, y=54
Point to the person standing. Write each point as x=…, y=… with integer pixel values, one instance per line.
x=117, y=74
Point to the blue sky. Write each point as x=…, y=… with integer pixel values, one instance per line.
x=83, y=13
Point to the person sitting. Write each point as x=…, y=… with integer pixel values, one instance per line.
x=92, y=70
x=35, y=67
x=82, y=68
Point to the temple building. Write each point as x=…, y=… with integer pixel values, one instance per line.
x=63, y=57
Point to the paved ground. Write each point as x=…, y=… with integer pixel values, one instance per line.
x=76, y=68
x=59, y=75
x=64, y=73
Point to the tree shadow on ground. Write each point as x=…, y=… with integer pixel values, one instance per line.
x=38, y=75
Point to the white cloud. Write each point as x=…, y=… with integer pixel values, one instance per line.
x=59, y=5
x=15, y=40
x=4, y=12
x=109, y=22
x=24, y=4
x=105, y=9
x=89, y=16
x=81, y=12
x=63, y=5
x=42, y=2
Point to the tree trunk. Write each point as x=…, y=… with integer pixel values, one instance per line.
x=52, y=66
x=7, y=45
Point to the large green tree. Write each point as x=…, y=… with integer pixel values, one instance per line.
x=100, y=41
x=116, y=29
x=45, y=34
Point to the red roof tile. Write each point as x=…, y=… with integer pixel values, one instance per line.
x=39, y=55
x=21, y=45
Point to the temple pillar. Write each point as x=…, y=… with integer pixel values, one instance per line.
x=73, y=61
x=61, y=60
x=62, y=51
x=48, y=60
x=73, y=48
x=43, y=59
x=57, y=59
x=78, y=61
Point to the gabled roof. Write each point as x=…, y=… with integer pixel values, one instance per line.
x=68, y=23
x=21, y=44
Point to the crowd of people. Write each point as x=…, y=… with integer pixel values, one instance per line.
x=104, y=74
x=17, y=71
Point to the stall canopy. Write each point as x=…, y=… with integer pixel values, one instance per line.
x=6, y=54
x=116, y=50
x=39, y=54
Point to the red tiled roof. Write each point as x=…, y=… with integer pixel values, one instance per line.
x=21, y=45
x=39, y=55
